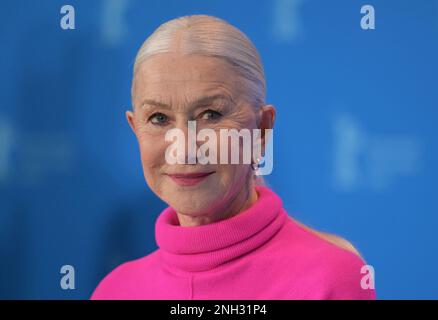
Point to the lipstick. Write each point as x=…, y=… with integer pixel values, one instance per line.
x=189, y=179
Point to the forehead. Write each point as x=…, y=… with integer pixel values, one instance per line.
x=171, y=74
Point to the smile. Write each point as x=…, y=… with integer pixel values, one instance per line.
x=189, y=179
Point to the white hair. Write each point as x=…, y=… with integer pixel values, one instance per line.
x=210, y=36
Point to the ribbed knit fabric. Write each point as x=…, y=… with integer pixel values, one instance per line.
x=260, y=253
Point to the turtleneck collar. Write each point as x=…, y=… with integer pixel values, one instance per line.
x=205, y=247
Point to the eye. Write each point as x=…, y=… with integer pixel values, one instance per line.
x=210, y=115
x=158, y=118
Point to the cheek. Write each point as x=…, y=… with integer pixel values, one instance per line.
x=152, y=150
x=233, y=175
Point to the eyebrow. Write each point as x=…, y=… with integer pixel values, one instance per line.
x=147, y=103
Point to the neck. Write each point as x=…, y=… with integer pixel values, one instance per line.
x=243, y=199
x=209, y=246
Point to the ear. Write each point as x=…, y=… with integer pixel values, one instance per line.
x=266, y=119
x=130, y=117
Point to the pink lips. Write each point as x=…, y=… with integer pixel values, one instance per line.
x=189, y=179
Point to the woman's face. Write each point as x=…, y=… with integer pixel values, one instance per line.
x=171, y=89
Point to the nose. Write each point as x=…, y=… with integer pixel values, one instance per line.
x=189, y=143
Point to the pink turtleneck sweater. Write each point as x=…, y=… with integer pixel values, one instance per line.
x=261, y=253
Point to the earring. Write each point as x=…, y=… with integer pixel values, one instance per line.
x=256, y=164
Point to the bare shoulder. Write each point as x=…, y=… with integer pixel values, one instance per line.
x=332, y=238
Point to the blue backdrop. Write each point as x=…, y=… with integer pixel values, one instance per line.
x=355, y=139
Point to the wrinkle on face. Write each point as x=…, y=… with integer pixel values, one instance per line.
x=169, y=83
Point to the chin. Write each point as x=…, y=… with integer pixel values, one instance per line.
x=192, y=201
x=190, y=210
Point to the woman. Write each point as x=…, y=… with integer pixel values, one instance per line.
x=224, y=235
